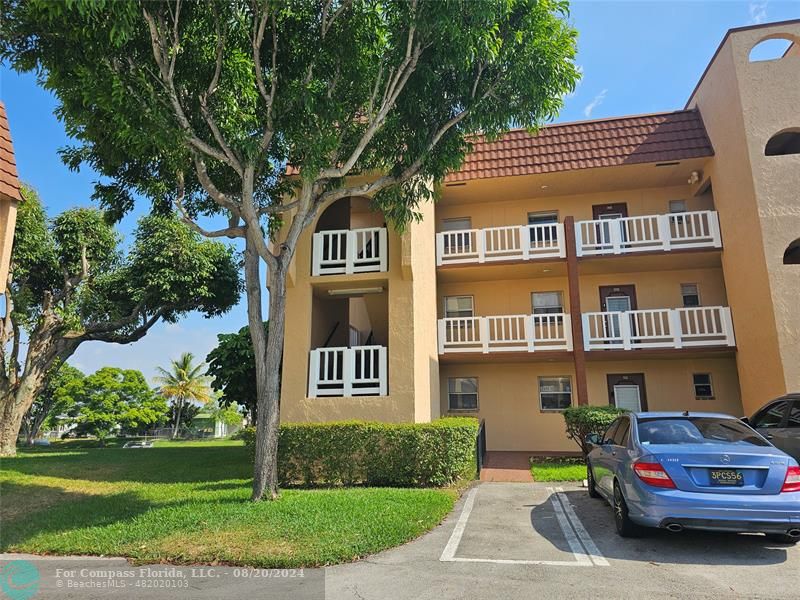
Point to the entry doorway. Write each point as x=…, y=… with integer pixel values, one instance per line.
x=617, y=298
x=627, y=391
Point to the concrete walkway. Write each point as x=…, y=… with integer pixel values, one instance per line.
x=507, y=466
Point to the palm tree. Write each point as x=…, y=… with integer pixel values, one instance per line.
x=182, y=383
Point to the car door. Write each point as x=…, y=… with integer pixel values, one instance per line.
x=792, y=438
x=603, y=461
x=770, y=422
x=619, y=448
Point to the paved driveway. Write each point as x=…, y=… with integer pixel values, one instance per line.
x=508, y=540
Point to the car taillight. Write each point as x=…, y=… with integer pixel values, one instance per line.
x=653, y=474
x=792, y=481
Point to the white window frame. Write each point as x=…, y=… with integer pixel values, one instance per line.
x=472, y=309
x=543, y=213
x=543, y=378
x=710, y=385
x=560, y=294
x=673, y=206
x=697, y=293
x=452, y=393
x=447, y=222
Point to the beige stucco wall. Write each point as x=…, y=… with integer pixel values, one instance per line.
x=758, y=199
x=409, y=286
x=8, y=219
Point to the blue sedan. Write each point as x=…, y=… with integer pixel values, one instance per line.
x=694, y=471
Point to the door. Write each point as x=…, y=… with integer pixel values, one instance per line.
x=616, y=299
x=602, y=462
x=779, y=422
x=609, y=212
x=627, y=391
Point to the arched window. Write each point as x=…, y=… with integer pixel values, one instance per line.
x=792, y=254
x=772, y=48
x=783, y=142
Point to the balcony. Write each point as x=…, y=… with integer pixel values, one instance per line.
x=348, y=251
x=516, y=242
x=358, y=371
x=659, y=328
x=676, y=231
x=505, y=333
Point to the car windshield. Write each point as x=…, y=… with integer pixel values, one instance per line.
x=697, y=430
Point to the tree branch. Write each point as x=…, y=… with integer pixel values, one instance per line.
x=123, y=338
x=229, y=232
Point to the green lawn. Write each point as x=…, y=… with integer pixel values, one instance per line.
x=187, y=502
x=558, y=469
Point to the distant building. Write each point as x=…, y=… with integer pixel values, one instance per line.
x=9, y=196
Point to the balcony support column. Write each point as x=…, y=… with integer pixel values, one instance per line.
x=576, y=323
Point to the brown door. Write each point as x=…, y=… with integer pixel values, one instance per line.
x=617, y=294
x=626, y=390
x=610, y=211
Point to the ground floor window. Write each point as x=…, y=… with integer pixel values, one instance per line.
x=462, y=393
x=555, y=393
x=703, y=390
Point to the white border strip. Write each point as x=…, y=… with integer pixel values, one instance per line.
x=587, y=541
x=574, y=544
x=449, y=552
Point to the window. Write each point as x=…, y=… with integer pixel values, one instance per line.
x=608, y=436
x=621, y=434
x=542, y=234
x=547, y=303
x=458, y=306
x=697, y=430
x=771, y=416
x=794, y=415
x=792, y=254
x=772, y=48
x=677, y=206
x=462, y=393
x=542, y=218
x=555, y=393
x=785, y=142
x=703, y=390
x=690, y=294
x=458, y=224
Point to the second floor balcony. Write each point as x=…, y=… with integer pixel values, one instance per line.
x=355, y=371
x=516, y=242
x=348, y=251
x=505, y=333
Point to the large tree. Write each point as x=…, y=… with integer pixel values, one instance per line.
x=183, y=383
x=70, y=283
x=55, y=400
x=208, y=102
x=232, y=368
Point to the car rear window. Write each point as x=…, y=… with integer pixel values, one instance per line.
x=697, y=430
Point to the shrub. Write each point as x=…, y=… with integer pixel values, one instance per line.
x=583, y=420
x=377, y=454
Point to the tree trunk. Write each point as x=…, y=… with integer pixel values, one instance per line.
x=13, y=406
x=268, y=351
x=177, y=424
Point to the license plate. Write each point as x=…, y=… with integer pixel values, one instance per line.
x=726, y=477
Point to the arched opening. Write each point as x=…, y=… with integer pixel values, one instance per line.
x=783, y=142
x=792, y=254
x=773, y=48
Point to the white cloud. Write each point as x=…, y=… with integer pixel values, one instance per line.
x=596, y=101
x=758, y=12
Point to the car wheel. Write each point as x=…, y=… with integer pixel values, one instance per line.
x=593, y=493
x=625, y=527
x=782, y=538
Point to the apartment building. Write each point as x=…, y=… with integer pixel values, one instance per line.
x=649, y=262
x=9, y=196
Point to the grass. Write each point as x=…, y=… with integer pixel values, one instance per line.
x=558, y=469
x=187, y=502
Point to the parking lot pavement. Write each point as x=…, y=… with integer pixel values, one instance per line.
x=504, y=541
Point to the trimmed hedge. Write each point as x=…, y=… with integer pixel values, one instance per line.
x=375, y=454
x=586, y=419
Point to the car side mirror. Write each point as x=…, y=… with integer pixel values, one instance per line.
x=593, y=439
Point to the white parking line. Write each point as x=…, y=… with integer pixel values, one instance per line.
x=581, y=558
x=587, y=541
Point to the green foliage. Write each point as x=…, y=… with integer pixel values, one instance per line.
x=388, y=454
x=509, y=63
x=183, y=384
x=54, y=403
x=232, y=367
x=116, y=399
x=558, y=469
x=586, y=419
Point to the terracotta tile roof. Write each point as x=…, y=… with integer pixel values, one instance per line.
x=611, y=142
x=9, y=182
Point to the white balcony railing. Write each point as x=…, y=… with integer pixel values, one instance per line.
x=359, y=371
x=506, y=333
x=659, y=328
x=516, y=242
x=348, y=251
x=648, y=233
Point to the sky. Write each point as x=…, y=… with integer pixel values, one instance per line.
x=636, y=57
